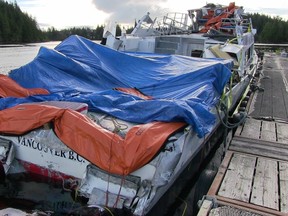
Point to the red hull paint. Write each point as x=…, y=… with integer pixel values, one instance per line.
x=44, y=172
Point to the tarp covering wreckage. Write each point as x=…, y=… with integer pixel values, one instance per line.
x=162, y=93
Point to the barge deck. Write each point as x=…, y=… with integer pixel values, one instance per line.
x=253, y=177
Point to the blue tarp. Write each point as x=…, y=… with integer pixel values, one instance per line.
x=182, y=88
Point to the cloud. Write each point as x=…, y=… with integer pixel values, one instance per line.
x=126, y=11
x=29, y=3
x=275, y=11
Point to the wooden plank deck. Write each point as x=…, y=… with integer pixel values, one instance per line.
x=241, y=169
x=272, y=131
x=254, y=173
x=283, y=177
x=253, y=183
x=273, y=101
x=265, y=187
x=263, y=138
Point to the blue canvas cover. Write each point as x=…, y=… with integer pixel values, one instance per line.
x=182, y=88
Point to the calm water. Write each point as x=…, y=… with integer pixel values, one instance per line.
x=15, y=56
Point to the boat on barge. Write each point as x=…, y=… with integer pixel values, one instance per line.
x=125, y=123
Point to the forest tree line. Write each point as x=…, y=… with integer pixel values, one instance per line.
x=16, y=26
x=19, y=27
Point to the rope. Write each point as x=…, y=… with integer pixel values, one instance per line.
x=227, y=124
x=109, y=161
x=72, y=183
x=118, y=195
x=108, y=210
x=117, y=127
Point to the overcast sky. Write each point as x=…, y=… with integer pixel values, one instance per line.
x=69, y=13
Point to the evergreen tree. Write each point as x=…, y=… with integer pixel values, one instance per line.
x=15, y=26
x=19, y=27
x=270, y=30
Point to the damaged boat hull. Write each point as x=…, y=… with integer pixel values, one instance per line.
x=150, y=118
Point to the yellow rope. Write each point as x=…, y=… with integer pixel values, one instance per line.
x=108, y=210
x=185, y=208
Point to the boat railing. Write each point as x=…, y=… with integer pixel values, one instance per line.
x=235, y=21
x=232, y=26
x=145, y=27
x=146, y=30
x=174, y=23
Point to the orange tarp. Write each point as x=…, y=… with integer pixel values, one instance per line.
x=101, y=147
x=9, y=88
x=135, y=92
